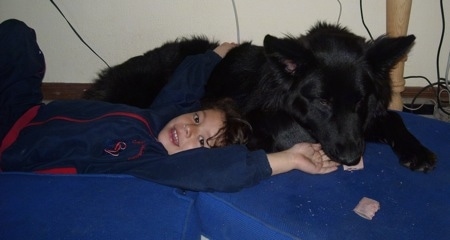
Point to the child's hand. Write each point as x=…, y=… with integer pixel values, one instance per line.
x=224, y=48
x=310, y=158
x=306, y=157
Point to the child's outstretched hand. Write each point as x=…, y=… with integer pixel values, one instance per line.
x=314, y=160
x=224, y=48
x=306, y=157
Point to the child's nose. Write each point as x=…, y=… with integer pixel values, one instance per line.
x=190, y=129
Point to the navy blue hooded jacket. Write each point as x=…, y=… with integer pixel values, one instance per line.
x=81, y=136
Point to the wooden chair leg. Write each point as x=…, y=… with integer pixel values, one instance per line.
x=397, y=19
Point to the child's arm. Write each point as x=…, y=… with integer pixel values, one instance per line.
x=229, y=169
x=189, y=79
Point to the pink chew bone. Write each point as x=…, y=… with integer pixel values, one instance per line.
x=358, y=166
x=367, y=207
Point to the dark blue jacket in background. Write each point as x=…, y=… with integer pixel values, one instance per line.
x=81, y=136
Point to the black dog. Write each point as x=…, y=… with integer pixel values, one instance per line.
x=328, y=86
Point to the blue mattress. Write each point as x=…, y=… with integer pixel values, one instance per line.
x=34, y=206
x=295, y=205
x=413, y=205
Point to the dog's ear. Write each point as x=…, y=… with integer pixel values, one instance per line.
x=287, y=54
x=385, y=52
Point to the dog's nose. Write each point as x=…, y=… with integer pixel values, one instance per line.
x=349, y=153
x=353, y=162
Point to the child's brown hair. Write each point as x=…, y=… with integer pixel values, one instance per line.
x=236, y=130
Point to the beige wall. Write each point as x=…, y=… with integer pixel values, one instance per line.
x=118, y=29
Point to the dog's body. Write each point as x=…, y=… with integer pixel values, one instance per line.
x=328, y=86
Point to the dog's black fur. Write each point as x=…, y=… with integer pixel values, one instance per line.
x=328, y=86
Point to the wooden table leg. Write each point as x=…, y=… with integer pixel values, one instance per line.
x=397, y=19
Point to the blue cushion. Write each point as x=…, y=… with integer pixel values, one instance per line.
x=295, y=205
x=34, y=206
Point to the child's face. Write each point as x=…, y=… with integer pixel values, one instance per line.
x=191, y=130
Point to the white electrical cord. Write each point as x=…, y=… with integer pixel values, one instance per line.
x=421, y=105
x=238, y=37
x=446, y=75
x=340, y=12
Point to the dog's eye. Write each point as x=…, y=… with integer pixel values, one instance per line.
x=325, y=102
x=360, y=104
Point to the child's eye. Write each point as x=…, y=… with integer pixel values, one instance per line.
x=196, y=118
x=202, y=141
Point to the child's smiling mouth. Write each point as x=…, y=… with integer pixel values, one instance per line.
x=174, y=137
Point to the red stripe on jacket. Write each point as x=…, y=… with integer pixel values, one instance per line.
x=20, y=124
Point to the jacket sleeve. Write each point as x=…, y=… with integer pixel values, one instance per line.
x=226, y=169
x=188, y=81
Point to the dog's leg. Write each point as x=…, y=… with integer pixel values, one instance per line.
x=412, y=154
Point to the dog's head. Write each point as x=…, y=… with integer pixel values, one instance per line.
x=334, y=83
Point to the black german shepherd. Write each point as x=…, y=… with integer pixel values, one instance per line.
x=328, y=86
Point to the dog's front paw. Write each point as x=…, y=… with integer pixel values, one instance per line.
x=419, y=159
